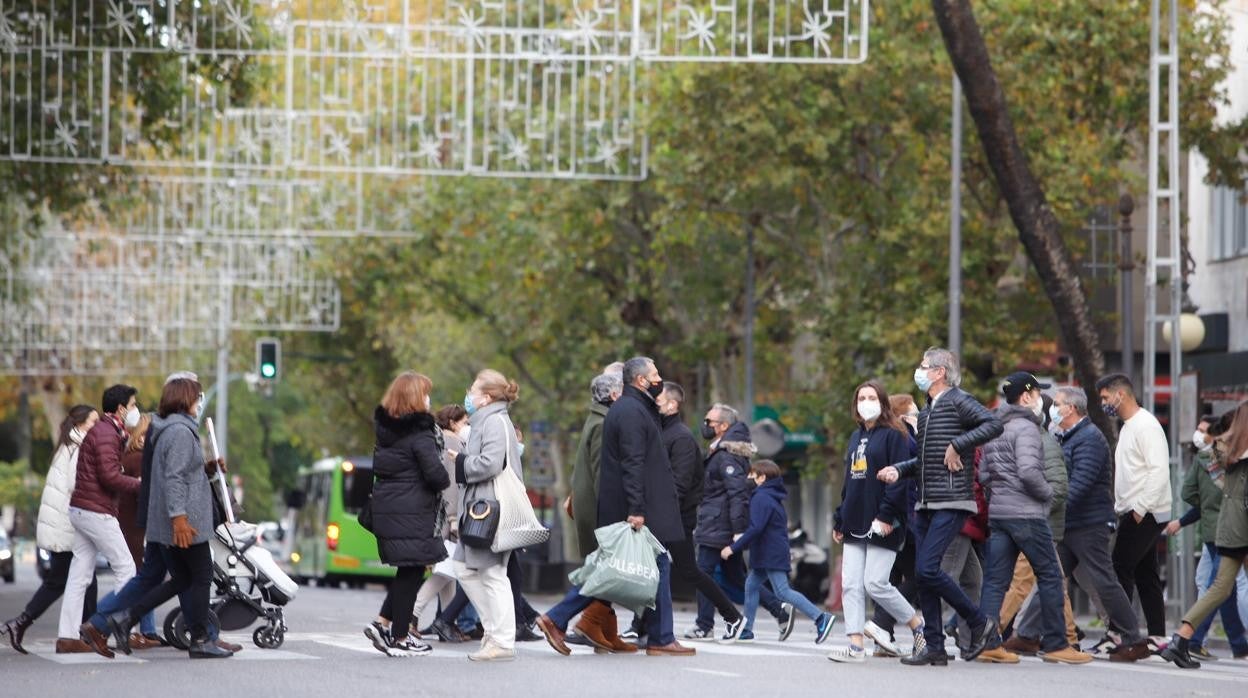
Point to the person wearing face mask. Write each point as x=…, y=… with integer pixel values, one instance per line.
x=1085, y=546
x=1203, y=486
x=724, y=514
x=871, y=522
x=1019, y=497
x=55, y=534
x=1141, y=499
x=93, y=505
x=635, y=485
x=687, y=469
x=950, y=428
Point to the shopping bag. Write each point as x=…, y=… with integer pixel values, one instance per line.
x=623, y=570
x=518, y=526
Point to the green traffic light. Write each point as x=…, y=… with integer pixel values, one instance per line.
x=268, y=370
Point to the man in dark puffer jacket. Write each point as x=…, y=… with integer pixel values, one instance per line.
x=950, y=427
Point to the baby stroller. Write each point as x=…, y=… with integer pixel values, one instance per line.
x=249, y=585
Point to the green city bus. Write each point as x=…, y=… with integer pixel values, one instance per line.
x=329, y=545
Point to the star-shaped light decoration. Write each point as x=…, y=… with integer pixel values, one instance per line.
x=65, y=137
x=702, y=28
x=239, y=20
x=586, y=25
x=473, y=26
x=430, y=149
x=121, y=19
x=514, y=150
x=815, y=29
x=338, y=145
x=8, y=35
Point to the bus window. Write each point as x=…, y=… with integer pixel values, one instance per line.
x=357, y=485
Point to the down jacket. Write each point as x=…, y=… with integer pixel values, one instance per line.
x=99, y=478
x=687, y=468
x=956, y=418
x=724, y=511
x=1012, y=470
x=408, y=479
x=54, y=532
x=1090, y=495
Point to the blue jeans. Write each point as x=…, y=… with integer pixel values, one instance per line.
x=151, y=573
x=734, y=575
x=779, y=580
x=1232, y=623
x=1034, y=539
x=934, y=530
x=573, y=603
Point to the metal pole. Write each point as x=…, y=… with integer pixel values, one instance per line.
x=223, y=364
x=748, y=407
x=1126, y=270
x=955, y=226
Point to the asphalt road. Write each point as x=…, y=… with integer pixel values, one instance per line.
x=326, y=654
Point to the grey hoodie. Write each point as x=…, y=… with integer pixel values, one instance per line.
x=1012, y=469
x=179, y=485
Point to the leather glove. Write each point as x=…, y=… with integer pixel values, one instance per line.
x=183, y=534
x=567, y=506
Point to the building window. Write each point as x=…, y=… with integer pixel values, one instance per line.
x=1228, y=223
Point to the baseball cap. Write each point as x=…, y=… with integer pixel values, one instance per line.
x=1021, y=382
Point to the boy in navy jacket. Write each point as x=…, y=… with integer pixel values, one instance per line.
x=767, y=539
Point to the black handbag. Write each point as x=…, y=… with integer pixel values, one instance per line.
x=479, y=523
x=365, y=517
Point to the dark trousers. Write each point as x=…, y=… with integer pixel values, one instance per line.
x=1135, y=563
x=52, y=588
x=401, y=599
x=688, y=568
x=901, y=577
x=190, y=579
x=525, y=615
x=734, y=574
x=1089, y=546
x=933, y=532
x=1034, y=539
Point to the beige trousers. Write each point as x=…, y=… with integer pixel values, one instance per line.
x=489, y=590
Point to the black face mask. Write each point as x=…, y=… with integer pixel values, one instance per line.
x=708, y=431
x=655, y=390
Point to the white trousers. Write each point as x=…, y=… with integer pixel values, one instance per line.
x=864, y=571
x=489, y=590
x=436, y=586
x=93, y=533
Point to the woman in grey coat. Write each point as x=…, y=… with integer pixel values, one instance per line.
x=492, y=446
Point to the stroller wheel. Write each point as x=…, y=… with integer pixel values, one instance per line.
x=267, y=638
x=178, y=635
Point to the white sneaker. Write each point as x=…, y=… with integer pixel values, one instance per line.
x=1104, y=648
x=881, y=639
x=849, y=655
x=492, y=653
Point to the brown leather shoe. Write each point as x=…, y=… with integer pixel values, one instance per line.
x=554, y=636
x=67, y=646
x=611, y=632
x=229, y=646
x=592, y=625
x=1022, y=645
x=138, y=641
x=673, y=650
x=1131, y=653
x=94, y=639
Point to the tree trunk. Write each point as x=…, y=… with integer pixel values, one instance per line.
x=1037, y=225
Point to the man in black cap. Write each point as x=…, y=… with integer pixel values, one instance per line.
x=1012, y=474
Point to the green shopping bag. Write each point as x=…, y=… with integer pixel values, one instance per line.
x=623, y=569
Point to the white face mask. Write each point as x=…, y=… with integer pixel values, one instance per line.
x=132, y=418
x=1037, y=407
x=463, y=433
x=868, y=409
x=1201, y=440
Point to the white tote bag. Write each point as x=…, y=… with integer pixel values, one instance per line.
x=518, y=526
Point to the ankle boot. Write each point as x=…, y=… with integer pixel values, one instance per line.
x=16, y=630
x=203, y=648
x=119, y=625
x=611, y=631
x=1179, y=652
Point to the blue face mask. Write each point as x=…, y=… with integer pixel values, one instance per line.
x=922, y=380
x=468, y=406
x=521, y=446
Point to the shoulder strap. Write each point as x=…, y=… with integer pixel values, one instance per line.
x=508, y=434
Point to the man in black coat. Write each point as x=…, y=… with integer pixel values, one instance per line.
x=635, y=484
x=688, y=471
x=951, y=427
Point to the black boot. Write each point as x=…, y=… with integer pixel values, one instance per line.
x=203, y=648
x=1179, y=652
x=928, y=657
x=119, y=625
x=982, y=638
x=16, y=630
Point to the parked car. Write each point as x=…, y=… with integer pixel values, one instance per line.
x=6, y=558
x=43, y=562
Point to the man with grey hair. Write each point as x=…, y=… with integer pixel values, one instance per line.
x=582, y=504
x=951, y=427
x=1090, y=522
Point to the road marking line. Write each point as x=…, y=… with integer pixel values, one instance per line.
x=712, y=672
x=256, y=654
x=84, y=658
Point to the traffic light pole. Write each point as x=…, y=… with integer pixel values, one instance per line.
x=223, y=364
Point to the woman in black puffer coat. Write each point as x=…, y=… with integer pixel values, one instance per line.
x=406, y=506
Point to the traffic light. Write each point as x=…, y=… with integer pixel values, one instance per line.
x=268, y=358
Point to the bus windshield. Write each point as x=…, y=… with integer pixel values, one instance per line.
x=357, y=485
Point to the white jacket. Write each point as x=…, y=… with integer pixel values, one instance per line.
x=54, y=532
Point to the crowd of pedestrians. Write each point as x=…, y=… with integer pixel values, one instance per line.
x=954, y=519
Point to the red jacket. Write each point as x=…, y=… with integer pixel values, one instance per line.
x=100, y=478
x=976, y=527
